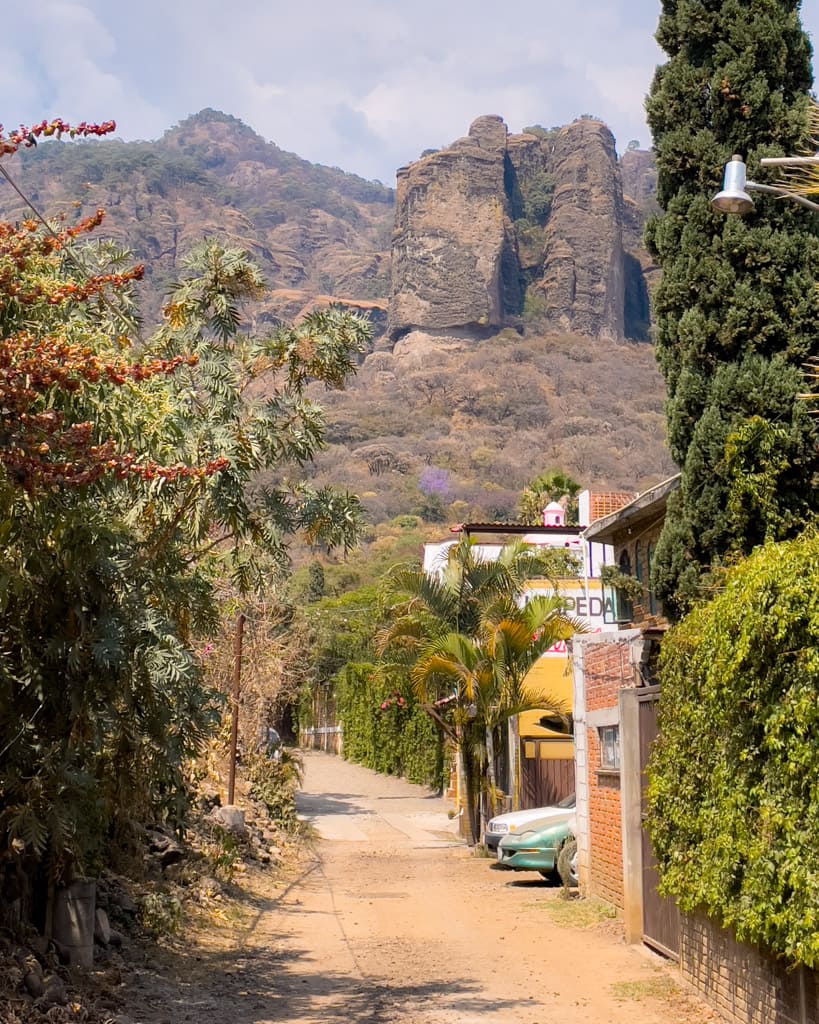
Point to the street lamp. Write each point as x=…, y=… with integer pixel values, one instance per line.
x=734, y=196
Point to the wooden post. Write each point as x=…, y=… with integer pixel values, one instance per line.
x=234, y=718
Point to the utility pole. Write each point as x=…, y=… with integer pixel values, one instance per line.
x=234, y=718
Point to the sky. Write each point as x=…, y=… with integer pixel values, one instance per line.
x=365, y=85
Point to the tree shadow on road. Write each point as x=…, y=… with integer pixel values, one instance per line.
x=281, y=983
x=312, y=804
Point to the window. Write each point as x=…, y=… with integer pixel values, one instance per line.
x=652, y=600
x=623, y=609
x=609, y=747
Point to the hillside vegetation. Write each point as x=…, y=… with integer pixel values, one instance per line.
x=456, y=435
x=449, y=432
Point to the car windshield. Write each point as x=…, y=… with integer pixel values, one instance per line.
x=567, y=801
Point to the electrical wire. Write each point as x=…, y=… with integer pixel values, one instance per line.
x=69, y=255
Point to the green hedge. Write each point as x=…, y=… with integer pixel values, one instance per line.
x=734, y=774
x=384, y=728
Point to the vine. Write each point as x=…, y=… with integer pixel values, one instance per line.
x=384, y=727
x=629, y=586
x=734, y=774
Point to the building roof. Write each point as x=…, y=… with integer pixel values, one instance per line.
x=650, y=503
x=514, y=529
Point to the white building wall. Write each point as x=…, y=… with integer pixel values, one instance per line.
x=592, y=555
x=581, y=764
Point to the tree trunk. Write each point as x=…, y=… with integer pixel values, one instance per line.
x=491, y=778
x=514, y=760
x=471, y=787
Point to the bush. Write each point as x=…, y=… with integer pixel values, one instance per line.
x=384, y=728
x=734, y=773
x=275, y=784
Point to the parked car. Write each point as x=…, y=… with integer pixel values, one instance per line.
x=537, y=847
x=515, y=821
x=567, y=858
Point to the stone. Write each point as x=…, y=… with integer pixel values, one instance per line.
x=34, y=984
x=115, y=938
x=54, y=994
x=469, y=248
x=165, y=847
x=450, y=236
x=639, y=173
x=73, y=921
x=122, y=900
x=62, y=953
x=102, y=928
x=230, y=817
x=582, y=283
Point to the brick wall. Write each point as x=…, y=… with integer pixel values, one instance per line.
x=744, y=985
x=607, y=670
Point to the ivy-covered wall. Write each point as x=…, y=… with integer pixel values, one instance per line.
x=385, y=729
x=734, y=773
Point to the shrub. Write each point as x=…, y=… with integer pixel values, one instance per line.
x=275, y=784
x=734, y=774
x=384, y=728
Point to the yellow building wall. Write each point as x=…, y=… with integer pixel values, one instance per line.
x=552, y=674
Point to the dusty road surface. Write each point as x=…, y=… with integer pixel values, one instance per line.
x=390, y=920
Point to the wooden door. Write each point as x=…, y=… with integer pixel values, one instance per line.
x=661, y=918
x=543, y=780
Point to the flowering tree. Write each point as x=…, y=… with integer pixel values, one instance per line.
x=127, y=482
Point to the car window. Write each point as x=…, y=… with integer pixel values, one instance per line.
x=567, y=801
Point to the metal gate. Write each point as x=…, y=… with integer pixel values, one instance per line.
x=543, y=780
x=661, y=918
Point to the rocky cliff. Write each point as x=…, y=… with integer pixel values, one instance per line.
x=497, y=227
x=496, y=230
x=448, y=248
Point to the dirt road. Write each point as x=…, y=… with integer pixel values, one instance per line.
x=392, y=921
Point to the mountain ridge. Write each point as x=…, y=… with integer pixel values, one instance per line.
x=485, y=406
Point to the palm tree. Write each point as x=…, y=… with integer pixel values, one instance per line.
x=486, y=674
x=469, y=637
x=422, y=604
x=553, y=485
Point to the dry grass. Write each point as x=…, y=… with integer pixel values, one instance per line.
x=577, y=912
x=659, y=986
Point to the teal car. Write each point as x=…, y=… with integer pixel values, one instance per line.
x=537, y=849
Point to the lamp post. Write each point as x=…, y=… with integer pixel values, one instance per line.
x=734, y=196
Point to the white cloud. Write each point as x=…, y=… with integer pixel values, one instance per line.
x=365, y=85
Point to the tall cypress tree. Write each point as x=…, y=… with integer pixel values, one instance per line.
x=737, y=310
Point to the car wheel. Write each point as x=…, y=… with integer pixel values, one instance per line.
x=567, y=863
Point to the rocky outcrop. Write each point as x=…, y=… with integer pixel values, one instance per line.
x=639, y=173
x=497, y=228
x=450, y=236
x=582, y=282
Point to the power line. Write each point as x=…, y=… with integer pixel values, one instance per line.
x=70, y=256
